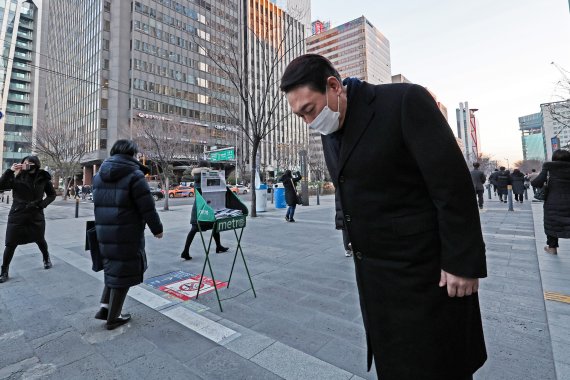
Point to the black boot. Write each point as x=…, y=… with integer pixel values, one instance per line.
x=115, y=318
x=102, y=314
x=4, y=275
x=221, y=249
x=186, y=256
x=47, y=263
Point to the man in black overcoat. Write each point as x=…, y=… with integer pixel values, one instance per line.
x=416, y=235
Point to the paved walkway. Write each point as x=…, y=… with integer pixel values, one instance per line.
x=305, y=322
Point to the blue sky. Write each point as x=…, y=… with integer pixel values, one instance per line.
x=495, y=54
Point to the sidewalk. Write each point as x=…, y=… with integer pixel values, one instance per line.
x=305, y=322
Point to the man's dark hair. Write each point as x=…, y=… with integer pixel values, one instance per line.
x=561, y=155
x=128, y=147
x=310, y=70
x=496, y=169
x=476, y=165
x=502, y=168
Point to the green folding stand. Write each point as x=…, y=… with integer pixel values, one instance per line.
x=207, y=217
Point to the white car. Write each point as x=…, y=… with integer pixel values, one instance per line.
x=240, y=189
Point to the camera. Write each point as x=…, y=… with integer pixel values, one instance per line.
x=26, y=166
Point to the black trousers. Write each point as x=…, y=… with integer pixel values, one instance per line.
x=480, y=197
x=519, y=197
x=552, y=241
x=11, y=249
x=193, y=231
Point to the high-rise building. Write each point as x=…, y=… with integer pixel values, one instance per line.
x=556, y=121
x=532, y=137
x=275, y=38
x=133, y=62
x=468, y=131
x=399, y=78
x=20, y=26
x=356, y=49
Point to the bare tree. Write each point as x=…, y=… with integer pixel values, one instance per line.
x=61, y=148
x=317, y=165
x=255, y=103
x=526, y=166
x=162, y=142
x=559, y=111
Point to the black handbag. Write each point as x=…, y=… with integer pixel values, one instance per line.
x=92, y=245
x=542, y=193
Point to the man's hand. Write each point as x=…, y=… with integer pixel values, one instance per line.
x=458, y=286
x=159, y=236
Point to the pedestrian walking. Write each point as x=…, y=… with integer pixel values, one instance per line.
x=503, y=181
x=517, y=180
x=478, y=178
x=291, y=196
x=26, y=221
x=531, y=177
x=123, y=206
x=556, y=175
x=204, y=226
x=416, y=235
x=493, y=180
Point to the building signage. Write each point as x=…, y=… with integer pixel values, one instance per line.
x=222, y=155
x=154, y=117
x=555, y=141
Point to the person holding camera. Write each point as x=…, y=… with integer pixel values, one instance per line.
x=26, y=221
x=291, y=198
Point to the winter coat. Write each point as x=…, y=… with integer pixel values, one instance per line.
x=493, y=178
x=478, y=178
x=405, y=228
x=503, y=180
x=557, y=204
x=26, y=221
x=517, y=180
x=123, y=205
x=290, y=183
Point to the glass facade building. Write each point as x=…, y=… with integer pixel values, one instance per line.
x=532, y=137
x=356, y=49
x=20, y=23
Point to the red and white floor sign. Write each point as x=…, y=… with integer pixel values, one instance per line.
x=187, y=289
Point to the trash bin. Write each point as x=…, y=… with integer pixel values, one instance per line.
x=261, y=198
x=279, y=194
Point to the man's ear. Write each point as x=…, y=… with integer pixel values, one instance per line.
x=334, y=85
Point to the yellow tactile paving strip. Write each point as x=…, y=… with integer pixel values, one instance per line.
x=559, y=297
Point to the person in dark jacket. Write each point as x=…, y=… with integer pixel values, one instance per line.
x=517, y=180
x=204, y=226
x=478, y=178
x=493, y=180
x=290, y=184
x=416, y=234
x=503, y=181
x=26, y=221
x=556, y=174
x=123, y=206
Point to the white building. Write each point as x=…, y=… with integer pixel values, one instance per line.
x=556, y=124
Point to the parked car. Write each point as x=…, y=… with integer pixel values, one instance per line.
x=181, y=191
x=239, y=189
x=157, y=194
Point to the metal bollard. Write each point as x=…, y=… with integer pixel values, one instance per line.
x=510, y=198
x=489, y=191
x=525, y=194
x=7, y=199
x=77, y=207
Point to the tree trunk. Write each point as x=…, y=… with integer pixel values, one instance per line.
x=254, y=148
x=166, y=188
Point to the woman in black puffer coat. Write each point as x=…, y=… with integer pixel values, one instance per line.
x=26, y=222
x=557, y=204
x=123, y=205
x=290, y=184
x=517, y=180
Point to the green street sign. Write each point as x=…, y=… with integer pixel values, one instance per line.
x=223, y=155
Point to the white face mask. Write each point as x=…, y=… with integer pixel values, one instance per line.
x=327, y=121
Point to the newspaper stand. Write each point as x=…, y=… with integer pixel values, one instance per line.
x=214, y=202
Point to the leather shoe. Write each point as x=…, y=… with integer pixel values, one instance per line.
x=119, y=321
x=292, y=220
x=47, y=264
x=4, y=275
x=221, y=249
x=102, y=314
x=185, y=256
x=552, y=251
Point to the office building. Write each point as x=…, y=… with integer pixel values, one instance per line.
x=532, y=137
x=468, y=132
x=556, y=125
x=128, y=63
x=356, y=49
x=20, y=38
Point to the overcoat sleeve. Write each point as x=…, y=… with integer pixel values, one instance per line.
x=540, y=179
x=145, y=203
x=434, y=148
x=7, y=180
x=50, y=194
